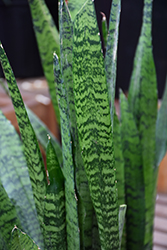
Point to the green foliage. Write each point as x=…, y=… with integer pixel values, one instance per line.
x=102, y=163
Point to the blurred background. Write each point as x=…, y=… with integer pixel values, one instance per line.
x=17, y=36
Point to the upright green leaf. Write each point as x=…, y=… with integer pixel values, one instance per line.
x=143, y=103
x=134, y=183
x=85, y=208
x=94, y=124
x=73, y=241
x=111, y=52
x=119, y=168
x=119, y=161
x=31, y=148
x=48, y=42
x=66, y=41
x=104, y=29
x=15, y=178
x=74, y=7
x=21, y=241
x=161, y=130
x=8, y=219
x=54, y=210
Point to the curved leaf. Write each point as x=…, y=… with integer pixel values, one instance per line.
x=8, y=219
x=74, y=7
x=31, y=148
x=15, y=179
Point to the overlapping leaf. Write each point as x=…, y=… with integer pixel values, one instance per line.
x=8, y=219
x=48, y=42
x=15, y=178
x=74, y=7
x=31, y=148
x=134, y=182
x=143, y=103
x=20, y=241
x=94, y=124
x=54, y=210
x=73, y=239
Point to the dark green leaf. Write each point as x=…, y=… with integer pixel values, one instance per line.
x=21, y=241
x=54, y=211
x=73, y=241
x=15, y=179
x=134, y=183
x=8, y=219
x=42, y=132
x=143, y=103
x=48, y=42
x=31, y=148
x=94, y=123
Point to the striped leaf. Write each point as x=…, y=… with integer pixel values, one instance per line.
x=111, y=52
x=8, y=219
x=66, y=41
x=54, y=212
x=119, y=161
x=15, y=179
x=21, y=241
x=134, y=183
x=74, y=7
x=94, y=124
x=73, y=241
x=42, y=132
x=119, y=167
x=143, y=103
x=161, y=128
x=85, y=208
x=48, y=42
x=31, y=148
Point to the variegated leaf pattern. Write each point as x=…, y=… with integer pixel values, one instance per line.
x=31, y=148
x=94, y=123
x=48, y=42
x=73, y=238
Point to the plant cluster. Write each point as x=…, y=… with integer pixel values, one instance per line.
x=103, y=162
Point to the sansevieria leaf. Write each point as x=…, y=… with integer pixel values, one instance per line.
x=21, y=241
x=111, y=52
x=15, y=179
x=161, y=130
x=74, y=7
x=143, y=104
x=54, y=209
x=42, y=132
x=48, y=42
x=73, y=238
x=31, y=148
x=8, y=219
x=94, y=123
x=134, y=180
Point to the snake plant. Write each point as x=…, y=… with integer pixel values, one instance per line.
x=78, y=200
